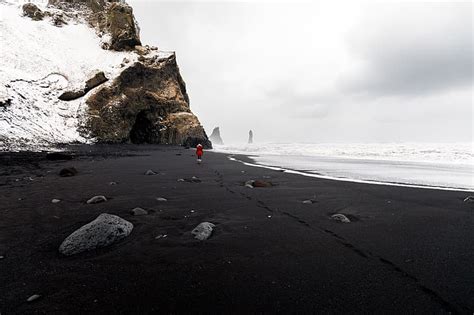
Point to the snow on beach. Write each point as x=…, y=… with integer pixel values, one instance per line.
x=39, y=62
x=448, y=165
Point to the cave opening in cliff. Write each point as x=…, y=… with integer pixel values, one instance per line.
x=142, y=131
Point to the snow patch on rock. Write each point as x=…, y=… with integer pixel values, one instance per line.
x=39, y=62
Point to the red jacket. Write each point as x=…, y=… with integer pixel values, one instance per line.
x=199, y=150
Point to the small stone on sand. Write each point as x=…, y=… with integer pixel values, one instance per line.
x=249, y=183
x=161, y=199
x=138, y=211
x=469, y=199
x=55, y=201
x=341, y=218
x=203, y=231
x=309, y=201
x=161, y=236
x=96, y=199
x=113, y=183
x=181, y=180
x=257, y=183
x=150, y=172
x=33, y=298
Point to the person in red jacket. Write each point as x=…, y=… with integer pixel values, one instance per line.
x=199, y=152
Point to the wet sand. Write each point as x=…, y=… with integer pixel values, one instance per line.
x=406, y=249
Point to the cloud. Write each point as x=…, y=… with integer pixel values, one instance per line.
x=321, y=71
x=411, y=49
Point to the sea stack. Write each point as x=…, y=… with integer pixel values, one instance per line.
x=250, y=137
x=215, y=137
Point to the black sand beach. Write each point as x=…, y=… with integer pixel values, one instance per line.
x=406, y=250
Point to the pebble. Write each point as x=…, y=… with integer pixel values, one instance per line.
x=161, y=236
x=469, y=199
x=113, y=183
x=341, y=218
x=269, y=216
x=138, y=211
x=150, y=172
x=96, y=199
x=161, y=199
x=2, y=257
x=33, y=298
x=309, y=201
x=181, y=180
x=55, y=201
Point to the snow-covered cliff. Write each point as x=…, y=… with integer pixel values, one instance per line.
x=50, y=50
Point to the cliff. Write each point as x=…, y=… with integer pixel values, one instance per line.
x=75, y=72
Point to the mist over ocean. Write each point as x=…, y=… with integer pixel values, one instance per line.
x=446, y=165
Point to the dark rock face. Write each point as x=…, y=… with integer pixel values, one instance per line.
x=215, y=137
x=112, y=17
x=93, y=82
x=5, y=103
x=146, y=103
x=118, y=21
x=32, y=11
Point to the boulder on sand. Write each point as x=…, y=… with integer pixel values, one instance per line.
x=97, y=199
x=203, y=231
x=105, y=230
x=341, y=218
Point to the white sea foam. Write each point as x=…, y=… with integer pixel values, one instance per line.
x=418, y=164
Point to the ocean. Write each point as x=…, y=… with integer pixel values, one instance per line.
x=425, y=165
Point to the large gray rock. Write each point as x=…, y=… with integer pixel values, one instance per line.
x=203, y=231
x=105, y=230
x=341, y=218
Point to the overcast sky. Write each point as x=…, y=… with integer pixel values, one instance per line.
x=327, y=71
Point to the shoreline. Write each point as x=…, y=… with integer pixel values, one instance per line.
x=343, y=179
x=406, y=249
